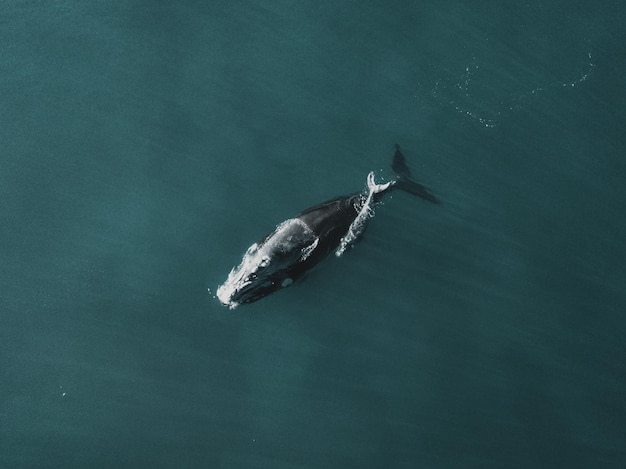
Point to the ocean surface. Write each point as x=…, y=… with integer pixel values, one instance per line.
x=145, y=145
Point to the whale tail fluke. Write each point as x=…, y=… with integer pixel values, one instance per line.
x=405, y=182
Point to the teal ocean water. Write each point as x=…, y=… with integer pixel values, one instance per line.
x=145, y=145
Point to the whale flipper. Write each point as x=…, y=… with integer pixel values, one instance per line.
x=405, y=182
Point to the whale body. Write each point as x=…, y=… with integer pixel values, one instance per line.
x=298, y=244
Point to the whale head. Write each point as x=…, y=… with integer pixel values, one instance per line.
x=269, y=264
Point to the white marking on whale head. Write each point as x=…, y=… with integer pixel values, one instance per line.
x=262, y=268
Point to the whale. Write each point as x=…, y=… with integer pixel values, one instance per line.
x=298, y=244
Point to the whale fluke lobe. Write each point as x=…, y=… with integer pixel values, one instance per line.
x=405, y=182
x=399, y=165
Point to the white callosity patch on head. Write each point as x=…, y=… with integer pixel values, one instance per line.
x=366, y=212
x=292, y=241
x=237, y=278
